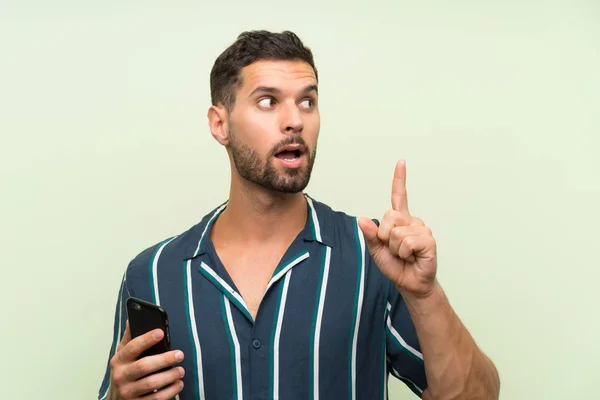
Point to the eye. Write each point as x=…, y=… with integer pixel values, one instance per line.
x=307, y=103
x=266, y=102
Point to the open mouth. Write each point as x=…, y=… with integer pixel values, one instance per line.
x=290, y=153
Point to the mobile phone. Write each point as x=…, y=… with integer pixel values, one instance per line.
x=145, y=317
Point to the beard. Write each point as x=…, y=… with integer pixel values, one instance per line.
x=263, y=173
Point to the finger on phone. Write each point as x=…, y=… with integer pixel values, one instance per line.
x=151, y=364
x=160, y=385
x=167, y=393
x=135, y=347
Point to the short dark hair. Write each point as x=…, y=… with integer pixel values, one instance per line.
x=252, y=46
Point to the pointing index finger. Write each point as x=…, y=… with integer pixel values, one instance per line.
x=399, y=197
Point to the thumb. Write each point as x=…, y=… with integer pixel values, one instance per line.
x=369, y=230
x=126, y=336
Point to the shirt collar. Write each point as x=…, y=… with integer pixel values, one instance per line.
x=317, y=229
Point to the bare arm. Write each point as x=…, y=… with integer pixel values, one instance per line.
x=405, y=251
x=455, y=367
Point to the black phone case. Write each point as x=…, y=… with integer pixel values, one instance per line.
x=145, y=317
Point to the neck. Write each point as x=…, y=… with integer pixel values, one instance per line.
x=255, y=215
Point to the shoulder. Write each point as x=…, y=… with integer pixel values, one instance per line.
x=340, y=231
x=172, y=250
x=339, y=227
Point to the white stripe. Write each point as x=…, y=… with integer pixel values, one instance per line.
x=206, y=227
x=155, y=270
x=236, y=345
x=359, y=308
x=315, y=219
x=318, y=324
x=192, y=315
x=286, y=284
x=399, y=338
x=194, y=329
x=286, y=269
x=235, y=294
x=397, y=375
x=116, y=344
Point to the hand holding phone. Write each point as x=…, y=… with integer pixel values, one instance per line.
x=140, y=366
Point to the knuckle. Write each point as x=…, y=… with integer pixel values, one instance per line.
x=114, y=362
x=125, y=392
x=118, y=376
x=382, y=234
x=150, y=383
x=142, y=366
x=156, y=396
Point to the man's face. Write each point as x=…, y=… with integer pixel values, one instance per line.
x=274, y=125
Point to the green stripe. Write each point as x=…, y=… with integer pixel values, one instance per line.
x=314, y=325
x=194, y=382
x=355, y=311
x=232, y=349
x=399, y=345
x=227, y=292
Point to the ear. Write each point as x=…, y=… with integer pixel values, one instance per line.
x=217, y=122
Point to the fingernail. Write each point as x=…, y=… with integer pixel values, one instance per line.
x=181, y=372
x=179, y=356
x=157, y=335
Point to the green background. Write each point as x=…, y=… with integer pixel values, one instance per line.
x=105, y=150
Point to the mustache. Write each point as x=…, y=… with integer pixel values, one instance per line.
x=288, y=141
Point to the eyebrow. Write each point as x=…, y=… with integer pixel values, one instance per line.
x=272, y=90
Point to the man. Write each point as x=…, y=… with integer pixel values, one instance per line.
x=275, y=295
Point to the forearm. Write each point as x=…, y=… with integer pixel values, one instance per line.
x=454, y=365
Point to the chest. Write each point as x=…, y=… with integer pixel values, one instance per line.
x=251, y=273
x=320, y=321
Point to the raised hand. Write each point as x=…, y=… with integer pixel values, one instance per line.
x=402, y=246
x=133, y=379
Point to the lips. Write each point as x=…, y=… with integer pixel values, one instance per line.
x=290, y=152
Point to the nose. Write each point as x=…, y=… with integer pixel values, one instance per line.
x=291, y=119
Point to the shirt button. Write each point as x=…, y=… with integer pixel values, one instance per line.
x=256, y=343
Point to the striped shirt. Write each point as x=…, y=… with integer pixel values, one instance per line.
x=330, y=325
